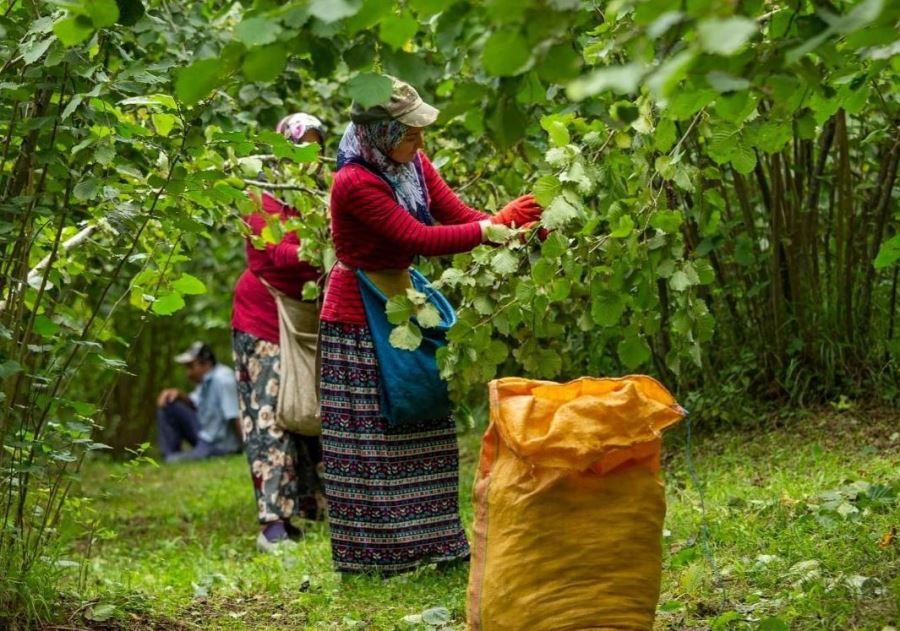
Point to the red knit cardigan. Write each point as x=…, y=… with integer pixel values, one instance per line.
x=371, y=231
x=254, y=310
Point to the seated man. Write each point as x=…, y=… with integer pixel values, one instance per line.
x=208, y=417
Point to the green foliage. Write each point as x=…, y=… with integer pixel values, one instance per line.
x=199, y=79
x=889, y=253
x=725, y=36
x=369, y=89
x=506, y=53
x=398, y=31
x=651, y=194
x=82, y=18
x=406, y=336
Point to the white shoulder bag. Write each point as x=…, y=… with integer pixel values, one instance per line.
x=298, y=392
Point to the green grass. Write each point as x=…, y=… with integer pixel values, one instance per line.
x=175, y=547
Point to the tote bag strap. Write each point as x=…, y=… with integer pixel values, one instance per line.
x=276, y=293
x=287, y=305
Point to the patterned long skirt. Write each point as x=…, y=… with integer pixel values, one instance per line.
x=392, y=493
x=284, y=466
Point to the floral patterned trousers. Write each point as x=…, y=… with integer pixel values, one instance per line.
x=284, y=466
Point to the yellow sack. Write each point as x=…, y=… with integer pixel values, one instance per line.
x=569, y=506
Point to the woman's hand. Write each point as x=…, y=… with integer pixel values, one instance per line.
x=518, y=212
x=485, y=224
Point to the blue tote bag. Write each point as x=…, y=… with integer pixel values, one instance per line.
x=411, y=389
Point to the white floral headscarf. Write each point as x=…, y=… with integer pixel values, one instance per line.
x=295, y=125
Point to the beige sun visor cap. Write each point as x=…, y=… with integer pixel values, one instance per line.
x=405, y=105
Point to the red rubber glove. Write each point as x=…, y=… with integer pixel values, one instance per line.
x=519, y=212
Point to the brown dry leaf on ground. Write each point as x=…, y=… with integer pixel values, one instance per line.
x=888, y=538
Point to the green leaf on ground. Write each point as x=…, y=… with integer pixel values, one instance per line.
x=772, y=624
x=101, y=612
x=723, y=621
x=436, y=616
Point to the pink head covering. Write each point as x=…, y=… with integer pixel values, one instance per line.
x=295, y=125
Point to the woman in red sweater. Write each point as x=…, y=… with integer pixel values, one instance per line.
x=283, y=465
x=392, y=491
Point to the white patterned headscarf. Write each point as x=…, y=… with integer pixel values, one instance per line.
x=369, y=144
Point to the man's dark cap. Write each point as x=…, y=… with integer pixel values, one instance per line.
x=197, y=350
